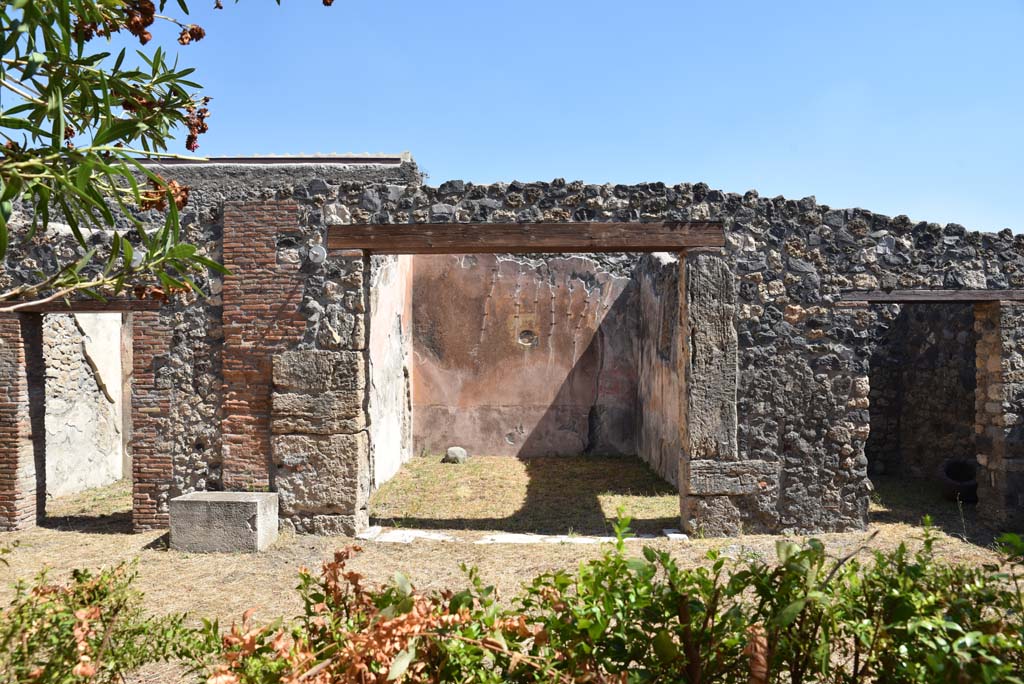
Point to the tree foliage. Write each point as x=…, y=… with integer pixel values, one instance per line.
x=78, y=122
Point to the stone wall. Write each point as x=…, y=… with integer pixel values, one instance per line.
x=922, y=390
x=84, y=441
x=659, y=385
x=218, y=381
x=885, y=400
x=1000, y=412
x=787, y=455
x=524, y=356
x=321, y=447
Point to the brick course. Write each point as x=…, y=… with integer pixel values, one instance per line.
x=262, y=316
x=150, y=408
x=19, y=491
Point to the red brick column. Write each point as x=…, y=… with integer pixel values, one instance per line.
x=152, y=468
x=21, y=494
x=262, y=317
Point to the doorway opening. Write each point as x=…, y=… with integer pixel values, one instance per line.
x=977, y=383
x=523, y=342
x=537, y=366
x=79, y=406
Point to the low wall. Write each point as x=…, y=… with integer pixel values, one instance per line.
x=524, y=356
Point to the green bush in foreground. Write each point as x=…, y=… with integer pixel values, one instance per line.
x=89, y=630
x=901, y=616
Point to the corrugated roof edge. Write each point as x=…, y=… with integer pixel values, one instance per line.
x=368, y=159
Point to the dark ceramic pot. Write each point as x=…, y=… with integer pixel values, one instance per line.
x=958, y=477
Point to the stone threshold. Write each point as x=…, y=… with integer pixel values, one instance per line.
x=377, y=533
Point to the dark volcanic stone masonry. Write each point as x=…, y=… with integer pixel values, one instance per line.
x=776, y=405
x=922, y=390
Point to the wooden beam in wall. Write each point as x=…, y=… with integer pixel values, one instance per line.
x=897, y=296
x=500, y=238
x=90, y=306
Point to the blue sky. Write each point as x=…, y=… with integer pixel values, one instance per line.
x=900, y=107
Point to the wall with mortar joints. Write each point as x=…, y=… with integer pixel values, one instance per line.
x=153, y=393
x=922, y=389
x=803, y=360
x=1000, y=412
x=18, y=472
x=262, y=316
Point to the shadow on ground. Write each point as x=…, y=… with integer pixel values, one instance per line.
x=908, y=500
x=103, y=510
x=109, y=523
x=543, y=495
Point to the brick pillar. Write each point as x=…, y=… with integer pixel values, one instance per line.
x=22, y=437
x=150, y=448
x=999, y=411
x=262, y=317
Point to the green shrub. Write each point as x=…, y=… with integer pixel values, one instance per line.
x=900, y=617
x=91, y=629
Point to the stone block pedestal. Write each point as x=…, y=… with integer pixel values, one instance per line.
x=227, y=522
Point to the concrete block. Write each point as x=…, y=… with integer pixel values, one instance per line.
x=232, y=522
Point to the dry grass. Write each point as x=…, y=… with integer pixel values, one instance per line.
x=556, y=495
x=581, y=495
x=543, y=495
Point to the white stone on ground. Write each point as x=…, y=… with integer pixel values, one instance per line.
x=405, y=536
x=370, y=533
x=571, y=539
x=510, y=538
x=408, y=536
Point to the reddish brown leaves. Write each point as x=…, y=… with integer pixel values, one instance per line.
x=196, y=123
x=156, y=198
x=191, y=34
x=139, y=15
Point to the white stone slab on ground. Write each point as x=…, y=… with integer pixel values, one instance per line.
x=572, y=539
x=370, y=533
x=510, y=538
x=409, y=536
x=675, y=535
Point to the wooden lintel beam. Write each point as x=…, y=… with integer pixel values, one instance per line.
x=499, y=238
x=897, y=296
x=91, y=306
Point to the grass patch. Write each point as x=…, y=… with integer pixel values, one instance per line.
x=547, y=495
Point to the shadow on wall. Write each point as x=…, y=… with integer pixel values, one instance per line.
x=596, y=401
x=922, y=399
x=524, y=356
x=529, y=358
